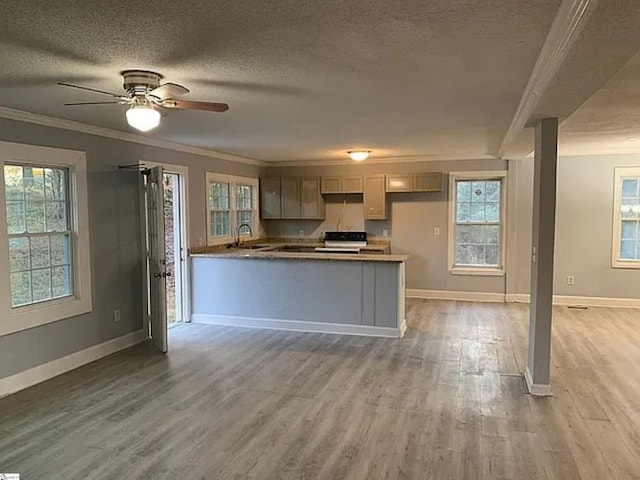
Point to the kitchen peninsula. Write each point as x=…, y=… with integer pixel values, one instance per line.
x=292, y=287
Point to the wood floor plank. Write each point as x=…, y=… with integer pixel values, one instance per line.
x=446, y=401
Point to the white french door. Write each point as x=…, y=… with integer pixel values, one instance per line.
x=156, y=258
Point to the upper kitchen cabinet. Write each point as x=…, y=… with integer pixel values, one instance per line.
x=290, y=194
x=427, y=182
x=270, y=201
x=414, y=182
x=399, y=182
x=331, y=185
x=352, y=184
x=348, y=184
x=311, y=201
x=291, y=198
x=375, y=197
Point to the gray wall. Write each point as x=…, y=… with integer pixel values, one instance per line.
x=584, y=228
x=412, y=218
x=114, y=222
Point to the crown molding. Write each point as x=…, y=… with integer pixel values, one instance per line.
x=565, y=30
x=375, y=160
x=47, y=121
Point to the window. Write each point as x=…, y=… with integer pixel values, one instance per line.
x=44, y=239
x=244, y=204
x=39, y=233
x=476, y=230
x=220, y=206
x=626, y=241
x=232, y=202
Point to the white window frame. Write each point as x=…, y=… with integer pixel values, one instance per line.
x=616, y=261
x=233, y=180
x=80, y=302
x=479, y=270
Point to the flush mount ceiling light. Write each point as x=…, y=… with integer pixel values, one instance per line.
x=359, y=155
x=143, y=117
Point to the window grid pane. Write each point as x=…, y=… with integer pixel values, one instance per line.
x=244, y=216
x=630, y=240
x=243, y=197
x=220, y=223
x=37, y=202
x=630, y=219
x=477, y=223
x=219, y=196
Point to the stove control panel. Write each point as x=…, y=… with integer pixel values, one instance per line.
x=345, y=236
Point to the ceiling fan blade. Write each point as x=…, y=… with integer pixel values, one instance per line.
x=190, y=105
x=91, y=103
x=159, y=109
x=89, y=89
x=168, y=90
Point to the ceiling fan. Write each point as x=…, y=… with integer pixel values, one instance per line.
x=148, y=99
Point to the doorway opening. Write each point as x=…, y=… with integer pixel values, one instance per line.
x=174, y=249
x=166, y=276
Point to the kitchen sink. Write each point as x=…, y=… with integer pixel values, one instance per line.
x=252, y=247
x=296, y=249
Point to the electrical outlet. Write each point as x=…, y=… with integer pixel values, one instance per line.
x=116, y=316
x=436, y=231
x=385, y=233
x=301, y=233
x=570, y=280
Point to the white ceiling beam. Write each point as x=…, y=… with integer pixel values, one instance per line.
x=565, y=30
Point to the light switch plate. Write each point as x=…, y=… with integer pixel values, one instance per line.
x=436, y=231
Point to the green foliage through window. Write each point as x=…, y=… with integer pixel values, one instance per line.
x=39, y=228
x=477, y=222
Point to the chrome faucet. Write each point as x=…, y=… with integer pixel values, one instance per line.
x=237, y=242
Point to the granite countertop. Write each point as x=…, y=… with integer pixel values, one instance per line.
x=375, y=245
x=265, y=249
x=269, y=254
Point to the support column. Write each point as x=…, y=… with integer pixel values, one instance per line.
x=544, y=219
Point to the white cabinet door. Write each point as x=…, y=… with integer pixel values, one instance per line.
x=375, y=201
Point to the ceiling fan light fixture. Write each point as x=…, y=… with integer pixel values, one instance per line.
x=143, y=117
x=359, y=155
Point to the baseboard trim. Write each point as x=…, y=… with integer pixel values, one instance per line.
x=301, y=326
x=536, y=389
x=455, y=295
x=560, y=300
x=516, y=298
x=576, y=301
x=46, y=371
x=403, y=328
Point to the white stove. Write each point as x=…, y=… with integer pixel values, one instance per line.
x=343, y=242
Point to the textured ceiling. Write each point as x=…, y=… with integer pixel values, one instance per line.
x=596, y=91
x=304, y=79
x=609, y=40
x=609, y=122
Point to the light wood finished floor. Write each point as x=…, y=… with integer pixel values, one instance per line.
x=447, y=401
